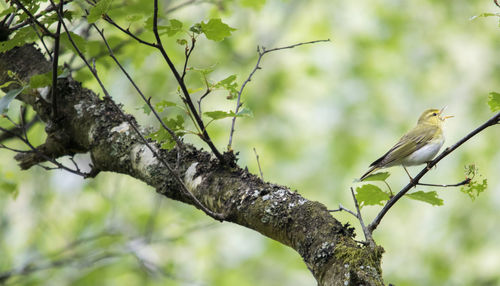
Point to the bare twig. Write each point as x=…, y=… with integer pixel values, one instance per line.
x=127, y=31
x=107, y=97
x=261, y=51
x=258, y=163
x=26, y=141
x=366, y=231
x=492, y=121
x=342, y=208
x=148, y=102
x=464, y=182
x=42, y=41
x=207, y=92
x=187, y=53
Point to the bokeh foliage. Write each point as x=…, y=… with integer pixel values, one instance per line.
x=322, y=113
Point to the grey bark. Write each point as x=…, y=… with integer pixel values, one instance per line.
x=92, y=125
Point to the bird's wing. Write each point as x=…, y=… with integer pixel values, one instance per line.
x=409, y=143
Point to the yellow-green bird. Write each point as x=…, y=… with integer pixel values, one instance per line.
x=416, y=147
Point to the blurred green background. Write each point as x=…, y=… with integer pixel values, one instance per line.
x=322, y=114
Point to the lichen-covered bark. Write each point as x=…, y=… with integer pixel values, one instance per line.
x=89, y=124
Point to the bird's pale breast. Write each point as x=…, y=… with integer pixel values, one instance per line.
x=424, y=154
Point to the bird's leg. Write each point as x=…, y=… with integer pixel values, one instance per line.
x=408, y=173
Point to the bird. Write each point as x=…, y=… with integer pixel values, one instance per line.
x=416, y=147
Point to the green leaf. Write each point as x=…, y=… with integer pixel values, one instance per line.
x=163, y=136
x=474, y=188
x=230, y=85
x=181, y=42
x=164, y=104
x=494, y=101
x=6, y=84
x=196, y=28
x=45, y=79
x=380, y=176
x=7, y=11
x=244, y=112
x=9, y=187
x=134, y=18
x=96, y=12
x=369, y=195
x=80, y=42
x=216, y=115
x=145, y=108
x=7, y=99
x=216, y=30
x=174, y=27
x=23, y=36
x=428, y=197
x=254, y=4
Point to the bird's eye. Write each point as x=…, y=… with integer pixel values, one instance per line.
x=434, y=114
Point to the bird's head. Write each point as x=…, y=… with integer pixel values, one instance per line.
x=433, y=116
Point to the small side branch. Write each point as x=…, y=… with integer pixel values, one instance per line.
x=464, y=182
x=261, y=51
x=366, y=232
x=258, y=163
x=492, y=121
x=342, y=208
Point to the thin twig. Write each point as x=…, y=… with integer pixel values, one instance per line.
x=187, y=53
x=148, y=102
x=342, y=208
x=207, y=92
x=373, y=225
x=261, y=53
x=366, y=231
x=42, y=41
x=107, y=97
x=127, y=31
x=464, y=182
x=187, y=98
x=258, y=163
x=26, y=141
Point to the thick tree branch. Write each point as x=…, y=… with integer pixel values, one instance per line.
x=95, y=126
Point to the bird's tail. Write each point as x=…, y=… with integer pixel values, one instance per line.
x=371, y=170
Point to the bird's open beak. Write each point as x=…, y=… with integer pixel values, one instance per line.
x=444, y=117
